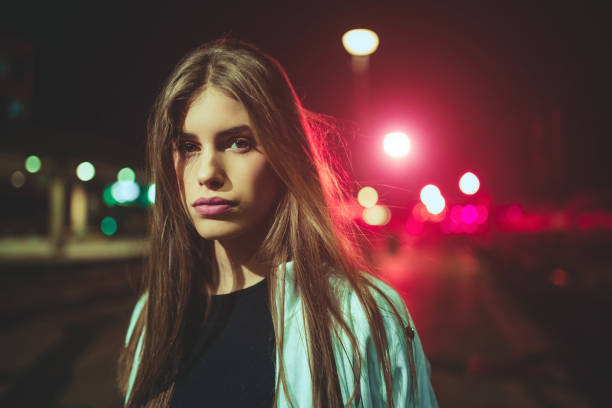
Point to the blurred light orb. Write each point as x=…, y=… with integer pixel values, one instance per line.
x=558, y=277
x=436, y=205
x=151, y=193
x=367, y=197
x=439, y=216
x=455, y=214
x=85, y=171
x=469, y=214
x=125, y=191
x=15, y=109
x=469, y=183
x=107, y=196
x=126, y=174
x=429, y=194
x=376, y=215
x=32, y=164
x=396, y=144
x=18, y=179
x=360, y=41
x=420, y=213
x=108, y=226
x=483, y=214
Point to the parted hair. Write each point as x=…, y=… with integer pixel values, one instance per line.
x=310, y=226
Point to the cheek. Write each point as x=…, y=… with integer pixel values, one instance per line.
x=268, y=186
x=263, y=181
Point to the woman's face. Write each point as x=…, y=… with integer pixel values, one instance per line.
x=217, y=156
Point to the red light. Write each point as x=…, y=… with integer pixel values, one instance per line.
x=469, y=214
x=455, y=214
x=558, y=277
x=514, y=213
x=483, y=214
x=414, y=227
x=420, y=213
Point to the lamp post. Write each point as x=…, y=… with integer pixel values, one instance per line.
x=360, y=43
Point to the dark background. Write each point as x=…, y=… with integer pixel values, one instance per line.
x=519, y=92
x=473, y=80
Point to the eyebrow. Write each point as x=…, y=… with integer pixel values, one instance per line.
x=223, y=133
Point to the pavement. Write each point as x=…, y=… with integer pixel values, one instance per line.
x=484, y=351
x=93, y=248
x=64, y=320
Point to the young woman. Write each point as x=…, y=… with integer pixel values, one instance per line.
x=257, y=292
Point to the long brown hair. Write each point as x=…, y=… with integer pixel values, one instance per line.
x=310, y=226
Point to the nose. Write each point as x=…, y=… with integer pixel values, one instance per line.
x=211, y=172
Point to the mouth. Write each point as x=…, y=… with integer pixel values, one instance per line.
x=210, y=209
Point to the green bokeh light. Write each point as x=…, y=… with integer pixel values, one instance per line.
x=126, y=174
x=107, y=196
x=151, y=193
x=108, y=226
x=32, y=164
x=85, y=171
x=15, y=109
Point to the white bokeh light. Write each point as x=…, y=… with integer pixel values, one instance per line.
x=396, y=144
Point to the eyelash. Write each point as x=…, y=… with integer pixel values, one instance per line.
x=184, y=146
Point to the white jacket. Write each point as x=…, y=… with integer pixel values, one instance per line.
x=295, y=355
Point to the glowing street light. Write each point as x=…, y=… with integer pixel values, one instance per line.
x=125, y=191
x=469, y=183
x=108, y=226
x=396, y=144
x=126, y=174
x=32, y=164
x=367, y=197
x=360, y=41
x=151, y=193
x=376, y=215
x=432, y=198
x=85, y=171
x=430, y=193
x=436, y=206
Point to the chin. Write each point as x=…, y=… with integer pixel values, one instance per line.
x=216, y=230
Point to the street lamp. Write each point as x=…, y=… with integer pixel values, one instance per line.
x=360, y=43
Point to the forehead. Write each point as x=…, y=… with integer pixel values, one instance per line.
x=213, y=111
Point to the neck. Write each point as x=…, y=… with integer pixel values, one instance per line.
x=237, y=265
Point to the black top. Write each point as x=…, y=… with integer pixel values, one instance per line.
x=233, y=361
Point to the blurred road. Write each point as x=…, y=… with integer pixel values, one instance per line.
x=484, y=350
x=62, y=327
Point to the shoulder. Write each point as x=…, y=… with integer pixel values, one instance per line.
x=140, y=304
x=386, y=298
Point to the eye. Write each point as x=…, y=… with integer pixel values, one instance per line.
x=187, y=147
x=242, y=144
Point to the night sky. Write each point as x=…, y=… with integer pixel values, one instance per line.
x=471, y=82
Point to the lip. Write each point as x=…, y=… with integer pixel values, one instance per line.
x=208, y=209
x=212, y=201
